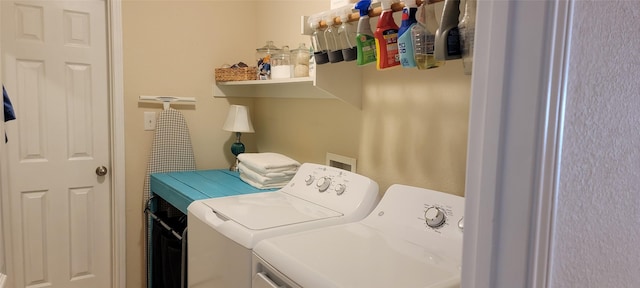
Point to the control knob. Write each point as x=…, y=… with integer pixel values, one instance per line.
x=309, y=179
x=340, y=189
x=323, y=184
x=434, y=217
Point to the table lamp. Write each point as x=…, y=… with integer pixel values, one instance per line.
x=238, y=121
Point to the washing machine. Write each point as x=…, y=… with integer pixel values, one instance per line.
x=413, y=238
x=223, y=231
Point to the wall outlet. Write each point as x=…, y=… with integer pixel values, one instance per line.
x=149, y=121
x=342, y=162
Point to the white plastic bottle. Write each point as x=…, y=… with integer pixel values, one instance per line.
x=448, y=35
x=318, y=44
x=332, y=40
x=424, y=39
x=347, y=35
x=467, y=27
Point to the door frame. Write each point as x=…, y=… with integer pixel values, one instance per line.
x=515, y=139
x=116, y=95
x=116, y=135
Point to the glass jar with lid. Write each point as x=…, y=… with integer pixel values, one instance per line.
x=263, y=55
x=281, y=64
x=300, y=61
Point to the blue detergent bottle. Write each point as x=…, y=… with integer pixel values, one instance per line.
x=405, y=44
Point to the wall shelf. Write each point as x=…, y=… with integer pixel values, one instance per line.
x=332, y=81
x=266, y=82
x=340, y=80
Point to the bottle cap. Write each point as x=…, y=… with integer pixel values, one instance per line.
x=363, y=7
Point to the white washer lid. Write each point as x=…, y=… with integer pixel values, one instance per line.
x=355, y=255
x=268, y=210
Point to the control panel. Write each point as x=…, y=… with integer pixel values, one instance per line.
x=332, y=187
x=325, y=182
x=419, y=214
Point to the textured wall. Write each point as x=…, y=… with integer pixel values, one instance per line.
x=598, y=214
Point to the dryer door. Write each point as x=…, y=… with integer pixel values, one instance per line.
x=265, y=276
x=261, y=280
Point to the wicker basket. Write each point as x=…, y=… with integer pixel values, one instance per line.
x=236, y=74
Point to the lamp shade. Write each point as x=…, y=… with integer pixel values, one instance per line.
x=238, y=120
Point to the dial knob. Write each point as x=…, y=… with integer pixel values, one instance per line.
x=434, y=217
x=309, y=179
x=461, y=224
x=340, y=189
x=323, y=184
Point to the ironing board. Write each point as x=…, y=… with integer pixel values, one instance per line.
x=171, y=150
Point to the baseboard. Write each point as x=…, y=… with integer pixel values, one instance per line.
x=3, y=280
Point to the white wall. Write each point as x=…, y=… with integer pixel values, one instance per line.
x=597, y=223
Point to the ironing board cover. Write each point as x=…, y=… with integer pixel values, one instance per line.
x=171, y=151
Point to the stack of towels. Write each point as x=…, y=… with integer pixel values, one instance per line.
x=266, y=170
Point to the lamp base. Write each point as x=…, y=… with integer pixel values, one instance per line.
x=234, y=166
x=237, y=148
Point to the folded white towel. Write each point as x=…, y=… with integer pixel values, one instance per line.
x=264, y=179
x=268, y=162
x=287, y=173
x=262, y=186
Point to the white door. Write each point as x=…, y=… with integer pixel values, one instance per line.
x=54, y=57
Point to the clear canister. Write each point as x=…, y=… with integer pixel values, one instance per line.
x=300, y=61
x=281, y=64
x=263, y=56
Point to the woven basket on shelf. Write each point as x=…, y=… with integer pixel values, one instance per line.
x=236, y=74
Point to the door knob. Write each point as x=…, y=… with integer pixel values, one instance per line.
x=101, y=171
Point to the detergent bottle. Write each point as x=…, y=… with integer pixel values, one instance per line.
x=365, y=41
x=347, y=34
x=405, y=45
x=320, y=52
x=386, y=36
x=423, y=37
x=467, y=30
x=448, y=35
x=332, y=40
